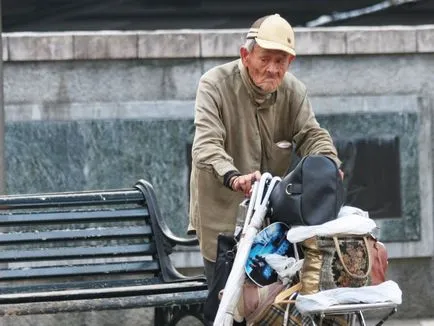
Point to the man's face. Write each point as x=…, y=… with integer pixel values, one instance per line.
x=266, y=67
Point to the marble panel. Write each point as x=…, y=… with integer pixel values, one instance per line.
x=403, y=127
x=102, y=154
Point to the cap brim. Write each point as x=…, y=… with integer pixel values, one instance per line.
x=269, y=45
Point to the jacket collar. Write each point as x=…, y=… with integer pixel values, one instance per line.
x=257, y=95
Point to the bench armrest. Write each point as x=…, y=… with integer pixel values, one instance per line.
x=149, y=193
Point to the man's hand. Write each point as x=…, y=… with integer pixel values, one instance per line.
x=341, y=173
x=244, y=182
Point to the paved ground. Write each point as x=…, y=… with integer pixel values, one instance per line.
x=408, y=322
x=390, y=322
x=143, y=317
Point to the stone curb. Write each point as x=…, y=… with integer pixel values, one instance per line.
x=177, y=44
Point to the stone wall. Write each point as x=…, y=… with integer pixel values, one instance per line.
x=101, y=110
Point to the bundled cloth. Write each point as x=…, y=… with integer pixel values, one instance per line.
x=351, y=220
x=388, y=291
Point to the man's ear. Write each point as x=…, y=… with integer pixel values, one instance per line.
x=244, y=53
x=291, y=59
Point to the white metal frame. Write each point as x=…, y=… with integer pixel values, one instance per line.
x=354, y=312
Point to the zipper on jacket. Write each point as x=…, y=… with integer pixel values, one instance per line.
x=258, y=107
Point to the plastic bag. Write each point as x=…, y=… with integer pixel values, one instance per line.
x=388, y=291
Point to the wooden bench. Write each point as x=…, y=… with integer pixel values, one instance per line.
x=92, y=250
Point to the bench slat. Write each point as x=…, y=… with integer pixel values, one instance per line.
x=76, y=252
x=88, y=269
x=73, y=216
x=67, y=235
x=102, y=292
x=77, y=284
x=65, y=199
x=140, y=301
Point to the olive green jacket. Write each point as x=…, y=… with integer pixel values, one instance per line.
x=233, y=132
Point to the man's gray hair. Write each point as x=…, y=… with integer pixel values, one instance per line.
x=249, y=44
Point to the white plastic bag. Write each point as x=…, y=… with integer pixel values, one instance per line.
x=285, y=267
x=388, y=291
x=350, y=220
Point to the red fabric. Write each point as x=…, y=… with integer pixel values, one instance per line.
x=379, y=261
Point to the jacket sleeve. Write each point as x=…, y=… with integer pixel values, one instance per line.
x=208, y=151
x=309, y=137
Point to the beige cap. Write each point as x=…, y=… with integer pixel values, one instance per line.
x=274, y=33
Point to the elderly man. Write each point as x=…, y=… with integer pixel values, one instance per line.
x=248, y=115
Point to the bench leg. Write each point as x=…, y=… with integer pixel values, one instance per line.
x=170, y=316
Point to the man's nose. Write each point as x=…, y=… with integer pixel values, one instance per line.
x=272, y=68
